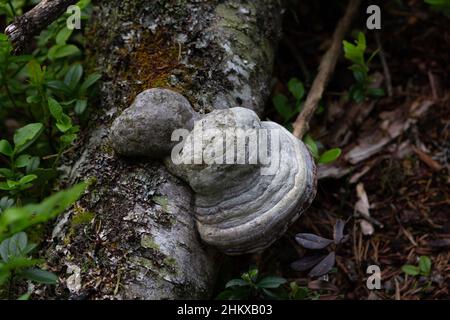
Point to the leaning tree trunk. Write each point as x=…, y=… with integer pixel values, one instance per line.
x=133, y=234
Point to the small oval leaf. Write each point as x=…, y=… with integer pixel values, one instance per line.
x=338, y=233
x=306, y=263
x=324, y=266
x=312, y=241
x=330, y=156
x=38, y=275
x=271, y=282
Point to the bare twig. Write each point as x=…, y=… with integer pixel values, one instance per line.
x=326, y=68
x=22, y=30
x=387, y=73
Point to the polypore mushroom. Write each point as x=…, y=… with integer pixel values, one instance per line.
x=246, y=195
x=145, y=128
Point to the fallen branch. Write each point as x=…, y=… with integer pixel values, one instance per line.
x=25, y=27
x=326, y=69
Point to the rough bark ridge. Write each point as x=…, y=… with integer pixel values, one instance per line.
x=133, y=234
x=24, y=28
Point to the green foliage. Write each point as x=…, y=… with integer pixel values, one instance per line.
x=16, y=262
x=16, y=219
x=355, y=53
x=48, y=94
x=327, y=156
x=12, y=8
x=423, y=269
x=330, y=156
x=440, y=5
x=249, y=286
x=285, y=107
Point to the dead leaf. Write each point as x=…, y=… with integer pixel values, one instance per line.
x=338, y=233
x=306, y=263
x=324, y=266
x=312, y=241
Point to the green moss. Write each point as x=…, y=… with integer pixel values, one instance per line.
x=148, y=242
x=144, y=262
x=82, y=218
x=163, y=201
x=170, y=262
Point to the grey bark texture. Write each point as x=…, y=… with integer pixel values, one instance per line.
x=24, y=28
x=132, y=236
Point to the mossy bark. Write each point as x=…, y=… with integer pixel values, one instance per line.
x=141, y=240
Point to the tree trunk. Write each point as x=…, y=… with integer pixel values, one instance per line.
x=133, y=233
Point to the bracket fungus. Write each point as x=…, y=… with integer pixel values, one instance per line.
x=145, y=128
x=252, y=179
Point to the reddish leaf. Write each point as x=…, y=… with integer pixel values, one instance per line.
x=324, y=266
x=311, y=241
x=306, y=263
x=339, y=231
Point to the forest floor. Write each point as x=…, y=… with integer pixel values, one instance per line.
x=402, y=183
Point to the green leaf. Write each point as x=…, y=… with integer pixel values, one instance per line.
x=5, y=203
x=271, y=282
x=16, y=262
x=4, y=274
x=22, y=161
x=44, y=175
x=55, y=109
x=36, y=73
x=425, y=265
x=312, y=146
x=58, y=86
x=28, y=178
x=33, y=164
x=17, y=244
x=330, y=156
x=357, y=94
x=359, y=76
x=26, y=135
x=14, y=220
x=73, y=76
x=442, y=5
x=61, y=51
x=236, y=282
x=80, y=106
x=6, y=173
x=410, y=270
x=67, y=139
x=63, y=35
x=64, y=122
x=281, y=104
x=5, y=148
x=4, y=250
x=90, y=80
x=39, y=275
x=296, y=87
x=25, y=296
x=33, y=99
x=375, y=92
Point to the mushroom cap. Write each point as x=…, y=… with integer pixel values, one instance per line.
x=243, y=208
x=145, y=128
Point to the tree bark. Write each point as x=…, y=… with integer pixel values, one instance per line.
x=133, y=234
x=24, y=28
